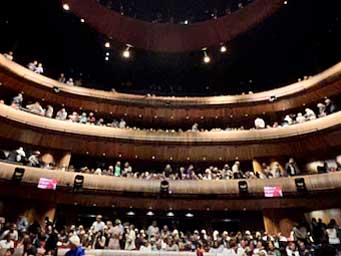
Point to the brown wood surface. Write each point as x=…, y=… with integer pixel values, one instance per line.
x=175, y=111
x=322, y=135
x=197, y=195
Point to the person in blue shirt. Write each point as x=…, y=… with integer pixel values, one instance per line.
x=75, y=247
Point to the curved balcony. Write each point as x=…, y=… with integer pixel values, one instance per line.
x=106, y=191
x=171, y=110
x=322, y=134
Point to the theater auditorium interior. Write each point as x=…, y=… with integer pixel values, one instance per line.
x=166, y=128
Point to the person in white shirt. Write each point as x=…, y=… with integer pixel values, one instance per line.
x=300, y=118
x=322, y=110
x=259, y=123
x=98, y=225
x=36, y=108
x=152, y=230
x=70, y=82
x=122, y=124
x=20, y=154
x=39, y=69
x=291, y=250
x=32, y=65
x=9, y=55
x=309, y=114
x=6, y=243
x=17, y=100
x=61, y=114
x=288, y=120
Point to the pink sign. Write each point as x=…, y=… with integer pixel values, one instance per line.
x=45, y=183
x=273, y=191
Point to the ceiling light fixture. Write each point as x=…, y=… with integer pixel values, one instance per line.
x=66, y=7
x=126, y=53
x=206, y=58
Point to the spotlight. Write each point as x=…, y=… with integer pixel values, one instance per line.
x=223, y=49
x=106, y=58
x=18, y=174
x=285, y=2
x=300, y=185
x=78, y=183
x=126, y=52
x=107, y=54
x=170, y=214
x=243, y=187
x=131, y=213
x=150, y=213
x=66, y=7
x=189, y=215
x=164, y=187
x=206, y=58
x=107, y=45
x=82, y=20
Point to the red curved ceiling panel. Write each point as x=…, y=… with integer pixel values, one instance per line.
x=160, y=37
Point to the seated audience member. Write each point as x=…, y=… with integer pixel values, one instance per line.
x=12, y=232
x=75, y=247
x=323, y=169
x=330, y=106
x=287, y=120
x=32, y=65
x=276, y=170
x=122, y=124
x=291, y=168
x=98, y=225
x=259, y=123
x=332, y=232
x=70, y=82
x=36, y=108
x=18, y=100
x=91, y=118
x=20, y=154
x=9, y=55
x=309, y=114
x=300, y=118
x=74, y=117
x=49, y=111
x=39, y=69
x=83, y=119
x=195, y=127
x=61, y=114
x=6, y=243
x=33, y=160
x=322, y=110
x=61, y=78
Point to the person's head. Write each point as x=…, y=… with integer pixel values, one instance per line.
x=154, y=223
x=9, y=252
x=327, y=101
x=8, y=237
x=99, y=218
x=291, y=160
x=61, y=75
x=40, y=65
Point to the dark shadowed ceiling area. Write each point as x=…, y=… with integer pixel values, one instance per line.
x=303, y=38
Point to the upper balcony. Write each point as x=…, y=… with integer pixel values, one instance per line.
x=171, y=110
x=320, y=135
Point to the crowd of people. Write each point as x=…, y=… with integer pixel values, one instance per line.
x=165, y=14
x=169, y=172
x=316, y=239
x=323, y=109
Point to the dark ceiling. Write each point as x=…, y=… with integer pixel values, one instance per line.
x=174, y=11
x=303, y=38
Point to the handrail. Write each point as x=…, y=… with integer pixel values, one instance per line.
x=35, y=121
x=314, y=183
x=316, y=81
